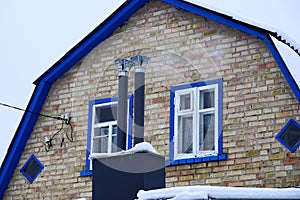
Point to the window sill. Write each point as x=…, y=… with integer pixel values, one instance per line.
x=196, y=160
x=86, y=173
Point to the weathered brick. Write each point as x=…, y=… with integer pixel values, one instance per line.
x=183, y=48
x=252, y=153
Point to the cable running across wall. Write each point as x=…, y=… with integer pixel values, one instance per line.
x=24, y=110
x=64, y=121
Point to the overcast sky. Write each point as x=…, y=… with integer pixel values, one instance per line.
x=35, y=34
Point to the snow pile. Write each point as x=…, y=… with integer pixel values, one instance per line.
x=216, y=192
x=143, y=147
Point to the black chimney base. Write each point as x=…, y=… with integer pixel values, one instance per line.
x=122, y=176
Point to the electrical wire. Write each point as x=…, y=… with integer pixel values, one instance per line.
x=25, y=110
x=71, y=132
x=48, y=144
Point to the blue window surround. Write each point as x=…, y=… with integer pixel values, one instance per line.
x=220, y=155
x=278, y=136
x=22, y=170
x=103, y=31
x=87, y=171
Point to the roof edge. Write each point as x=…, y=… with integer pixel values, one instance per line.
x=22, y=134
x=282, y=39
x=220, y=17
x=283, y=67
x=99, y=34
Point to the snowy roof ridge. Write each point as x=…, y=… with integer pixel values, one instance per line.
x=279, y=35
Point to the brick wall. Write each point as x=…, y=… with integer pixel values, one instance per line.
x=183, y=48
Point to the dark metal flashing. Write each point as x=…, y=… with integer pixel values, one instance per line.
x=281, y=39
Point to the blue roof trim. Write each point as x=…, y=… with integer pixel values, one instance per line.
x=247, y=28
x=285, y=71
x=221, y=18
x=45, y=81
x=20, y=139
x=103, y=31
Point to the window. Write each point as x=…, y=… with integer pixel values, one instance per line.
x=289, y=136
x=196, y=122
x=102, y=129
x=32, y=168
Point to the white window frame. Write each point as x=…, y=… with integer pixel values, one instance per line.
x=195, y=111
x=100, y=125
x=103, y=124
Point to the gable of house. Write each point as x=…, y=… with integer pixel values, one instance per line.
x=187, y=51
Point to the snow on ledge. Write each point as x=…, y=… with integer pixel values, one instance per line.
x=215, y=192
x=143, y=147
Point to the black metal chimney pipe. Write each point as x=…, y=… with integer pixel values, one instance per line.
x=123, y=66
x=139, y=98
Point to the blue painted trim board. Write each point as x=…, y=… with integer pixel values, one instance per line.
x=219, y=82
x=286, y=126
x=87, y=171
x=22, y=170
x=218, y=157
x=103, y=31
x=289, y=78
x=22, y=134
x=221, y=18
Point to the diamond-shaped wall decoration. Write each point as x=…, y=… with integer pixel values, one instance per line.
x=289, y=136
x=32, y=168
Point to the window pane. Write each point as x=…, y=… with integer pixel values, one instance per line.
x=106, y=113
x=185, y=102
x=100, y=145
x=114, y=139
x=291, y=136
x=100, y=140
x=103, y=131
x=207, y=99
x=207, y=132
x=185, y=134
x=32, y=168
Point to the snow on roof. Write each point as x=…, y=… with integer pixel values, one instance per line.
x=290, y=58
x=288, y=48
x=216, y=192
x=280, y=35
x=143, y=147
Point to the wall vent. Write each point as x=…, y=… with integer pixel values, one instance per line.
x=32, y=168
x=289, y=136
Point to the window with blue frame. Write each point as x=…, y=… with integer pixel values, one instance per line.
x=196, y=122
x=289, y=136
x=32, y=168
x=102, y=129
